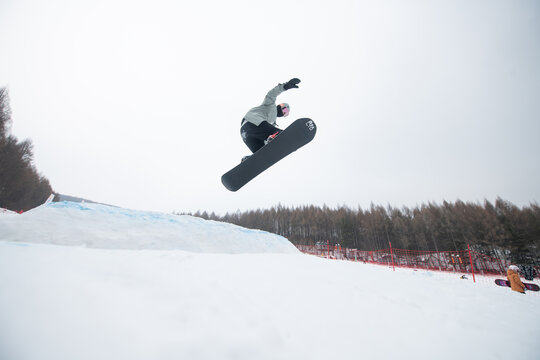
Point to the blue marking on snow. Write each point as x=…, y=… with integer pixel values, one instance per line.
x=17, y=244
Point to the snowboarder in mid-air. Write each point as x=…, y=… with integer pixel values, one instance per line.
x=259, y=124
x=259, y=128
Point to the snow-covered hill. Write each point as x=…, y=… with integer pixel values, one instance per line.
x=140, y=286
x=101, y=226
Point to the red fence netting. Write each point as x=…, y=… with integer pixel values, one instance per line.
x=466, y=261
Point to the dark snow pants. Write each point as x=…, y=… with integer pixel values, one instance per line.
x=254, y=136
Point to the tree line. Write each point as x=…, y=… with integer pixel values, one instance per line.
x=499, y=229
x=22, y=187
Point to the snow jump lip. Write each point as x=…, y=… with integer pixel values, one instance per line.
x=100, y=226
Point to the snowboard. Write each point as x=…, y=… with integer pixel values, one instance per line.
x=528, y=286
x=296, y=135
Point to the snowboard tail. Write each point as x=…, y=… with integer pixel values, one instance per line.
x=296, y=135
x=528, y=286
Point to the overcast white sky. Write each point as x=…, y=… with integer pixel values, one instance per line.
x=138, y=103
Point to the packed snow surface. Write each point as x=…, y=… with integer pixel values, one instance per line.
x=141, y=286
x=101, y=226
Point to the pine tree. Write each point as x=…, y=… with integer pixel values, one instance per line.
x=21, y=186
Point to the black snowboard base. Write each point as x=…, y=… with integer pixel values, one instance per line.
x=296, y=135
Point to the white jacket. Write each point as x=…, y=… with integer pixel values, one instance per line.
x=267, y=111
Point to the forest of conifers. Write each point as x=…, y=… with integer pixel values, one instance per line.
x=21, y=186
x=487, y=227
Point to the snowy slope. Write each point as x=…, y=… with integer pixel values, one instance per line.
x=102, y=226
x=125, y=301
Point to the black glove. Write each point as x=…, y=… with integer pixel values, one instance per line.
x=293, y=83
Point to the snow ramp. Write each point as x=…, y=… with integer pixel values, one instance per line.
x=108, y=227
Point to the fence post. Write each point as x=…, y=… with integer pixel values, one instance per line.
x=328, y=249
x=472, y=266
x=392, y=255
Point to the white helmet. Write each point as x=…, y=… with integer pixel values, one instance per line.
x=513, y=268
x=283, y=110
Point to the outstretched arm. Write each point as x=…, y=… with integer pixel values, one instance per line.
x=273, y=94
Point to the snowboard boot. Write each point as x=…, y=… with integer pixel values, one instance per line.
x=271, y=137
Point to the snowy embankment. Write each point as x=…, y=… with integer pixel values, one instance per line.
x=264, y=301
x=107, y=227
